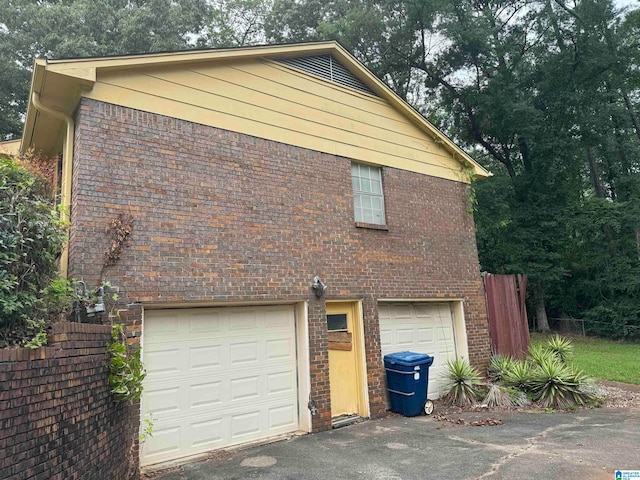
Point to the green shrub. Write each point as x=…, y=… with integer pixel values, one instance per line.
x=31, y=239
x=561, y=347
x=463, y=382
x=539, y=354
x=557, y=385
x=499, y=366
x=126, y=371
x=519, y=375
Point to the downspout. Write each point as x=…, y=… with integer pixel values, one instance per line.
x=67, y=159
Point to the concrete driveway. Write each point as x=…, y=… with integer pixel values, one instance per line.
x=589, y=444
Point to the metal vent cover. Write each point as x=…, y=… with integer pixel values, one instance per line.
x=327, y=67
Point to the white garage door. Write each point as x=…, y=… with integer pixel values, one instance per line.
x=422, y=328
x=217, y=377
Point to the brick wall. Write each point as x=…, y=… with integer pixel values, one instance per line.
x=57, y=419
x=225, y=217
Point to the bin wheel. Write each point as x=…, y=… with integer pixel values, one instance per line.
x=428, y=407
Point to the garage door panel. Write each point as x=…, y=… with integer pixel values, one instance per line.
x=243, y=352
x=163, y=400
x=207, y=356
x=425, y=336
x=165, y=440
x=422, y=328
x=219, y=387
x=206, y=394
x=281, y=383
x=283, y=417
x=240, y=320
x=206, y=433
x=205, y=322
x=162, y=362
x=279, y=349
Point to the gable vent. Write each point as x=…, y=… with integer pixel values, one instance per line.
x=327, y=67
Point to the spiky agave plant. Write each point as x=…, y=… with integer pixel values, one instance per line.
x=556, y=385
x=561, y=347
x=519, y=375
x=499, y=366
x=463, y=382
x=498, y=396
x=539, y=354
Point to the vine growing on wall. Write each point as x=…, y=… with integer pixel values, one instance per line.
x=118, y=232
x=126, y=371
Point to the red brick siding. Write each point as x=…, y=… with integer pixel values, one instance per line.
x=221, y=216
x=58, y=419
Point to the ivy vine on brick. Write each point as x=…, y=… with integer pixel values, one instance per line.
x=126, y=371
x=118, y=232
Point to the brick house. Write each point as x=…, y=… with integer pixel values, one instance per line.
x=248, y=173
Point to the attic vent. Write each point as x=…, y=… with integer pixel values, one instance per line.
x=327, y=67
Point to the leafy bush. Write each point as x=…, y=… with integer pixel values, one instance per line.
x=539, y=354
x=544, y=377
x=126, y=371
x=556, y=385
x=519, y=375
x=561, y=347
x=463, y=382
x=499, y=366
x=31, y=238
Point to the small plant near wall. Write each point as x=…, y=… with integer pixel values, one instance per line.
x=464, y=383
x=544, y=377
x=126, y=371
x=146, y=429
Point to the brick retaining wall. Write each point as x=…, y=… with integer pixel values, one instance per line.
x=58, y=419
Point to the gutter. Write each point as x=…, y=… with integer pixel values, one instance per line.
x=67, y=158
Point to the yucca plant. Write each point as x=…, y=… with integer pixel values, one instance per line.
x=463, y=382
x=498, y=396
x=499, y=366
x=519, y=375
x=557, y=385
x=561, y=347
x=540, y=354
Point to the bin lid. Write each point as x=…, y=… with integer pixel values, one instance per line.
x=408, y=359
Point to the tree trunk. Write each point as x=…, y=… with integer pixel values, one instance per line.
x=594, y=173
x=632, y=113
x=541, y=311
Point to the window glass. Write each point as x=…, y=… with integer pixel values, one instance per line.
x=337, y=322
x=368, y=198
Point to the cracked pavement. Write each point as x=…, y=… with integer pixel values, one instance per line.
x=588, y=444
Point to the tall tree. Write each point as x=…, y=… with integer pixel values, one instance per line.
x=545, y=92
x=80, y=28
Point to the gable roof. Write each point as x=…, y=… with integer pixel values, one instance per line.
x=61, y=83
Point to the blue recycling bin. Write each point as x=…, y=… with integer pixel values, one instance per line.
x=407, y=381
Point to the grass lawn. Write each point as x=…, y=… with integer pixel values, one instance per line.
x=606, y=359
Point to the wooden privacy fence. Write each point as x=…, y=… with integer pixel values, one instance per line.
x=508, y=324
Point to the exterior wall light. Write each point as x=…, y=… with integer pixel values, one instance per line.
x=318, y=287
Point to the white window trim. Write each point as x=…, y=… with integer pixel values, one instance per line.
x=359, y=193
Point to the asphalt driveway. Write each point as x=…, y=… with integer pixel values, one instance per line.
x=589, y=444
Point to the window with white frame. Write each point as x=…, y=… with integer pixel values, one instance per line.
x=367, y=193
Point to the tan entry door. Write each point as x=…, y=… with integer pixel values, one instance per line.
x=343, y=365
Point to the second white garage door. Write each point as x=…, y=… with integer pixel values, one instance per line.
x=217, y=377
x=422, y=328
